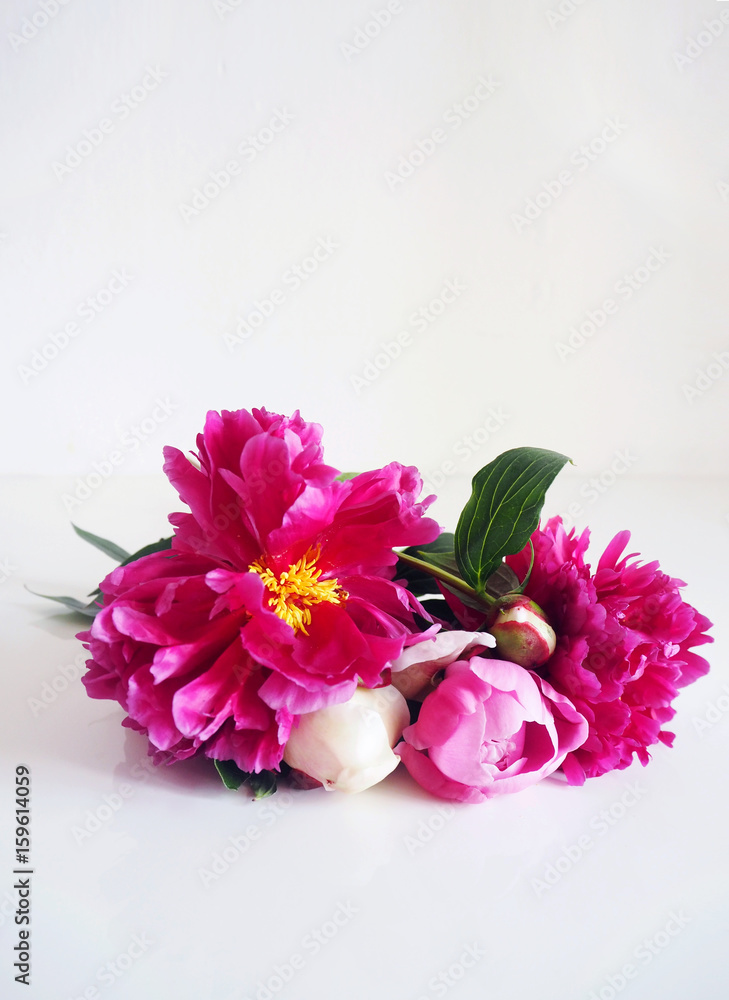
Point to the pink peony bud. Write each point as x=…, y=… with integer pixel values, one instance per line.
x=417, y=669
x=523, y=634
x=348, y=747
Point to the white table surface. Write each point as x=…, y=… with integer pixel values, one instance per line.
x=390, y=893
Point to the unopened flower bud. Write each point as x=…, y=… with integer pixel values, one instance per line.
x=417, y=669
x=348, y=747
x=522, y=632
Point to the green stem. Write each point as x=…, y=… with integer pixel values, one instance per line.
x=525, y=581
x=454, y=582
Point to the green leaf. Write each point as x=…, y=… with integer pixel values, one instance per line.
x=444, y=560
x=110, y=549
x=147, y=550
x=443, y=543
x=161, y=546
x=230, y=774
x=474, y=602
x=90, y=610
x=344, y=476
x=263, y=784
x=419, y=582
x=107, y=547
x=503, y=510
x=503, y=581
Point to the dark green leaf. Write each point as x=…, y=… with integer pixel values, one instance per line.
x=90, y=610
x=417, y=581
x=475, y=603
x=231, y=775
x=263, y=784
x=446, y=560
x=443, y=543
x=107, y=547
x=503, y=581
x=147, y=550
x=503, y=510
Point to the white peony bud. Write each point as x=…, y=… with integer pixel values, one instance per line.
x=348, y=747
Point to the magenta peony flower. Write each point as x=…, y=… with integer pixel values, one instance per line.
x=624, y=639
x=276, y=598
x=490, y=727
x=179, y=669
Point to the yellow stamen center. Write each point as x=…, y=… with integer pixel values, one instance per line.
x=298, y=589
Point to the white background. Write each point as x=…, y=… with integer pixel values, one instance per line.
x=631, y=100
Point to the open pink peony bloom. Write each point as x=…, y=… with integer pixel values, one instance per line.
x=624, y=639
x=490, y=727
x=276, y=598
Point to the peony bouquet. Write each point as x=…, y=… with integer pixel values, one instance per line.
x=319, y=628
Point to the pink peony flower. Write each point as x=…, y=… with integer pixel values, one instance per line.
x=276, y=598
x=490, y=727
x=624, y=639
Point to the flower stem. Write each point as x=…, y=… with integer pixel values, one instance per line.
x=454, y=582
